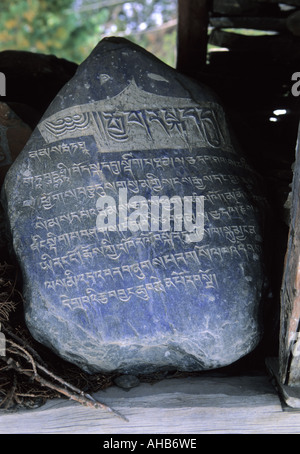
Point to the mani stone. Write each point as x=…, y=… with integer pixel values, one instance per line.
x=136, y=222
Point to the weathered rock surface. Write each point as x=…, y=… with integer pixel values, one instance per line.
x=14, y=134
x=105, y=285
x=33, y=79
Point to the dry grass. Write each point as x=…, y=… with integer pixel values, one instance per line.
x=29, y=373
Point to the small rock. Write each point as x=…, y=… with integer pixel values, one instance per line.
x=126, y=381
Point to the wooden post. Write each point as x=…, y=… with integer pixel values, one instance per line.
x=289, y=352
x=192, y=36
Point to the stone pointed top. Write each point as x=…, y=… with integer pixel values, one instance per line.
x=114, y=64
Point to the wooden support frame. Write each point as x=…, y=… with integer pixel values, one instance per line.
x=208, y=404
x=192, y=35
x=289, y=348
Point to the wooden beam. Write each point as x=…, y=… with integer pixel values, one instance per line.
x=236, y=7
x=256, y=23
x=289, y=353
x=289, y=394
x=208, y=404
x=286, y=2
x=192, y=35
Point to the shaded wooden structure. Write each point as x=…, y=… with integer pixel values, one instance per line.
x=248, y=53
x=245, y=51
x=289, y=353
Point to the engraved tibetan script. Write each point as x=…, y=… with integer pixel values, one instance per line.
x=187, y=125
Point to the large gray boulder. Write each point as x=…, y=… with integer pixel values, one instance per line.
x=136, y=223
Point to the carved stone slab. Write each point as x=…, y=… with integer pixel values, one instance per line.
x=136, y=223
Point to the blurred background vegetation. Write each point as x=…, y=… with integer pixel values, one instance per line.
x=71, y=28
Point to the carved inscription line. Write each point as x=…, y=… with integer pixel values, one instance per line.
x=188, y=125
x=79, y=217
x=71, y=196
x=127, y=163
x=231, y=233
x=64, y=148
x=90, y=253
x=204, y=279
x=93, y=278
x=58, y=178
x=82, y=254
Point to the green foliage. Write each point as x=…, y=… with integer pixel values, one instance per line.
x=56, y=27
x=160, y=44
x=50, y=27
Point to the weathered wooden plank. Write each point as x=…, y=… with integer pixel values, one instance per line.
x=203, y=404
x=289, y=355
x=255, y=23
x=277, y=44
x=289, y=394
x=236, y=7
x=286, y=2
x=192, y=35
